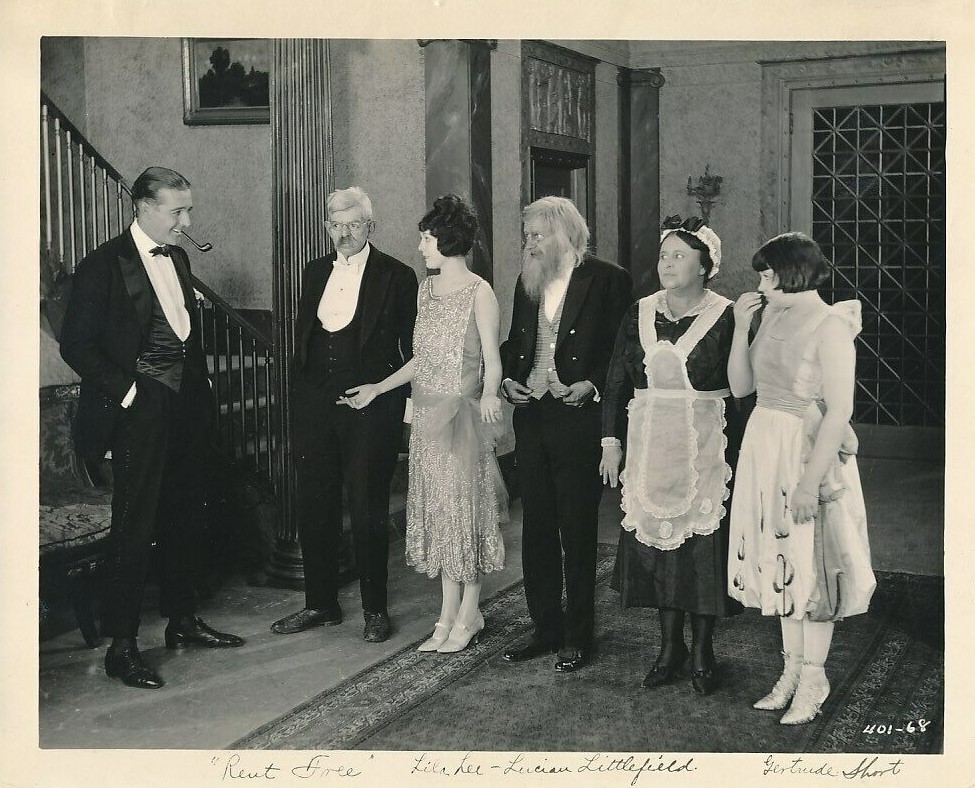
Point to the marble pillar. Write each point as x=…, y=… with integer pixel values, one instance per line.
x=458, y=133
x=640, y=176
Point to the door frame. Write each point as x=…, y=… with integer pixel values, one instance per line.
x=781, y=79
x=780, y=82
x=806, y=99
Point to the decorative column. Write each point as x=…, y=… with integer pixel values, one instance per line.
x=458, y=133
x=301, y=145
x=639, y=223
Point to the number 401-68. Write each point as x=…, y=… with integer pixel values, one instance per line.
x=910, y=727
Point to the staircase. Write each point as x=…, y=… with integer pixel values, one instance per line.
x=85, y=202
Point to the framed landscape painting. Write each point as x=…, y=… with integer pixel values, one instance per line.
x=226, y=80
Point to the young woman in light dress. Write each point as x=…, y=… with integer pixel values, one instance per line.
x=456, y=500
x=799, y=546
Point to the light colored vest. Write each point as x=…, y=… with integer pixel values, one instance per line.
x=543, y=377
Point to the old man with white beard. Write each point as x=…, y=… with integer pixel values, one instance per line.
x=568, y=306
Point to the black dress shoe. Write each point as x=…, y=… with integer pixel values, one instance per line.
x=705, y=680
x=194, y=632
x=665, y=672
x=306, y=618
x=535, y=647
x=570, y=660
x=125, y=662
x=377, y=627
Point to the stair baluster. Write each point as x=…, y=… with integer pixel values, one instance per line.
x=80, y=213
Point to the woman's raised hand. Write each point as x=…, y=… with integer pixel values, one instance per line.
x=745, y=308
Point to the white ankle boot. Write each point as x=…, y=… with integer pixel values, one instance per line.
x=785, y=687
x=812, y=691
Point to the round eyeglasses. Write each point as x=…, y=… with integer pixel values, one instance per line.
x=354, y=226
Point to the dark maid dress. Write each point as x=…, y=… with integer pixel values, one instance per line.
x=673, y=548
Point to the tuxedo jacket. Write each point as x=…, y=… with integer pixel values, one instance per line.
x=597, y=297
x=106, y=327
x=387, y=312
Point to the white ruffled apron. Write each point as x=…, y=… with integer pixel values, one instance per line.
x=676, y=478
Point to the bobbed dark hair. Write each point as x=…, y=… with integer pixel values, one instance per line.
x=796, y=259
x=696, y=243
x=452, y=222
x=152, y=179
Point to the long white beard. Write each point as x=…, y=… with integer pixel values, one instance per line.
x=537, y=272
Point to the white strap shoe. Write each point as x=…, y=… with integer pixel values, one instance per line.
x=441, y=632
x=461, y=636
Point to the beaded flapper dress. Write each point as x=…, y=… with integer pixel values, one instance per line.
x=820, y=568
x=456, y=499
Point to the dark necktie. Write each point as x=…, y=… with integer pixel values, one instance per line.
x=163, y=250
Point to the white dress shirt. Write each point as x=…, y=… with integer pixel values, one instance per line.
x=162, y=276
x=165, y=283
x=341, y=295
x=554, y=293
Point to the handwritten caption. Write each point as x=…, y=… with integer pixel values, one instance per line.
x=627, y=769
x=322, y=766
x=866, y=768
x=319, y=766
x=631, y=765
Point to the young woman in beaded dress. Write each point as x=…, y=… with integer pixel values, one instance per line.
x=456, y=500
x=683, y=432
x=799, y=546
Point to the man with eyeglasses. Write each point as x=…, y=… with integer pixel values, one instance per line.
x=567, y=308
x=355, y=322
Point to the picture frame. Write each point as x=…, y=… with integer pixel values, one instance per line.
x=226, y=81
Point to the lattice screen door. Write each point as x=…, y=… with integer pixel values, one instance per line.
x=868, y=183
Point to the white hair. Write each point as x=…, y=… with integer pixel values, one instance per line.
x=344, y=199
x=561, y=215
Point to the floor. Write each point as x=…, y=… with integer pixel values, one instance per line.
x=212, y=698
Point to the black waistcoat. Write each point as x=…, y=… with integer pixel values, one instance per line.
x=333, y=356
x=164, y=355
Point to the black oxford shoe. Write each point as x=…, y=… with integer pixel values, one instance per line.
x=125, y=662
x=377, y=628
x=306, y=618
x=535, y=647
x=570, y=660
x=193, y=632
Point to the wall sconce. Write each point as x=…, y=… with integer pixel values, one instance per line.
x=708, y=187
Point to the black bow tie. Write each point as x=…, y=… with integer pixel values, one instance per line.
x=163, y=250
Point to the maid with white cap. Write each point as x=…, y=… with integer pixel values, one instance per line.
x=671, y=357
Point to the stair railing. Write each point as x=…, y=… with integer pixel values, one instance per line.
x=84, y=202
x=242, y=371
x=82, y=195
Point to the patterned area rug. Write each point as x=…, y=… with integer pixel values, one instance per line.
x=886, y=668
